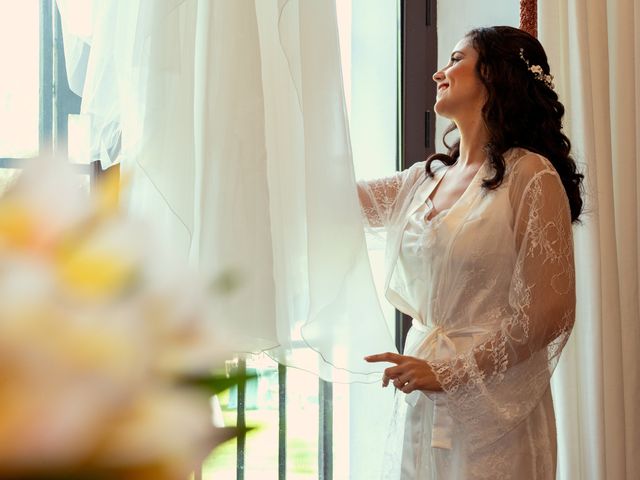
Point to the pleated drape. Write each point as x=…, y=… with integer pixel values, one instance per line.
x=594, y=50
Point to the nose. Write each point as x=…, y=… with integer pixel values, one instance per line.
x=438, y=76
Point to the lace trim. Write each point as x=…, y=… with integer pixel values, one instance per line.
x=382, y=195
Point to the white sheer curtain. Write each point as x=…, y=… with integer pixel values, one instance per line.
x=234, y=139
x=594, y=49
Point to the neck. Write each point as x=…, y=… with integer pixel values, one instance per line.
x=473, y=138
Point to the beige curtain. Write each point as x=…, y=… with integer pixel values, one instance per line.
x=594, y=49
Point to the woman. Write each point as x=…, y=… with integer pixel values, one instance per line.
x=480, y=254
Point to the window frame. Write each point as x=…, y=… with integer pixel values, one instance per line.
x=56, y=100
x=417, y=95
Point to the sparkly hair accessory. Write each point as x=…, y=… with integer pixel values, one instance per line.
x=538, y=72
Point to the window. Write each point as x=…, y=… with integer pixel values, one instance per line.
x=35, y=100
x=418, y=95
x=306, y=428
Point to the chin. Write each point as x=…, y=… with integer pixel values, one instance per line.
x=442, y=110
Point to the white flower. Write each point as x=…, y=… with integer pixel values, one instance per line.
x=538, y=72
x=97, y=328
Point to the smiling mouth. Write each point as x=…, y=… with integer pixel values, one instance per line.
x=443, y=86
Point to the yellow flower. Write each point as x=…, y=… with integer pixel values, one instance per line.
x=108, y=193
x=95, y=274
x=17, y=225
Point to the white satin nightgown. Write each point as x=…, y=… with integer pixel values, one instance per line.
x=490, y=286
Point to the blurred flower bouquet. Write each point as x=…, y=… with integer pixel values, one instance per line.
x=105, y=343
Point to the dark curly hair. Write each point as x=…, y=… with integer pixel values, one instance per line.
x=520, y=111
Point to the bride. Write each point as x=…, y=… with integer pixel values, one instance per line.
x=480, y=255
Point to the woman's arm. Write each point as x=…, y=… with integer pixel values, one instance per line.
x=541, y=309
x=378, y=197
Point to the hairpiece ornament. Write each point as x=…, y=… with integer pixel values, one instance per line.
x=538, y=72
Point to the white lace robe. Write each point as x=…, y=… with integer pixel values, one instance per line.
x=490, y=286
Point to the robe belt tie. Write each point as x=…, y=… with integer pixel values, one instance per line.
x=438, y=345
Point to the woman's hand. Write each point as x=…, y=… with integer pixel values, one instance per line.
x=409, y=374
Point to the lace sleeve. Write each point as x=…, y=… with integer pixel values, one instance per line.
x=378, y=197
x=493, y=387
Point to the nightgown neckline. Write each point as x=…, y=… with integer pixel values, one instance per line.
x=443, y=214
x=434, y=218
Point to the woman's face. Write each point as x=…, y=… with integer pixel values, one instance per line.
x=460, y=91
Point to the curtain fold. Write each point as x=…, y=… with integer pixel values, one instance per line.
x=234, y=140
x=594, y=49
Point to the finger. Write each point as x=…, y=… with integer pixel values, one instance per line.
x=404, y=378
x=408, y=387
x=384, y=357
x=398, y=384
x=394, y=372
